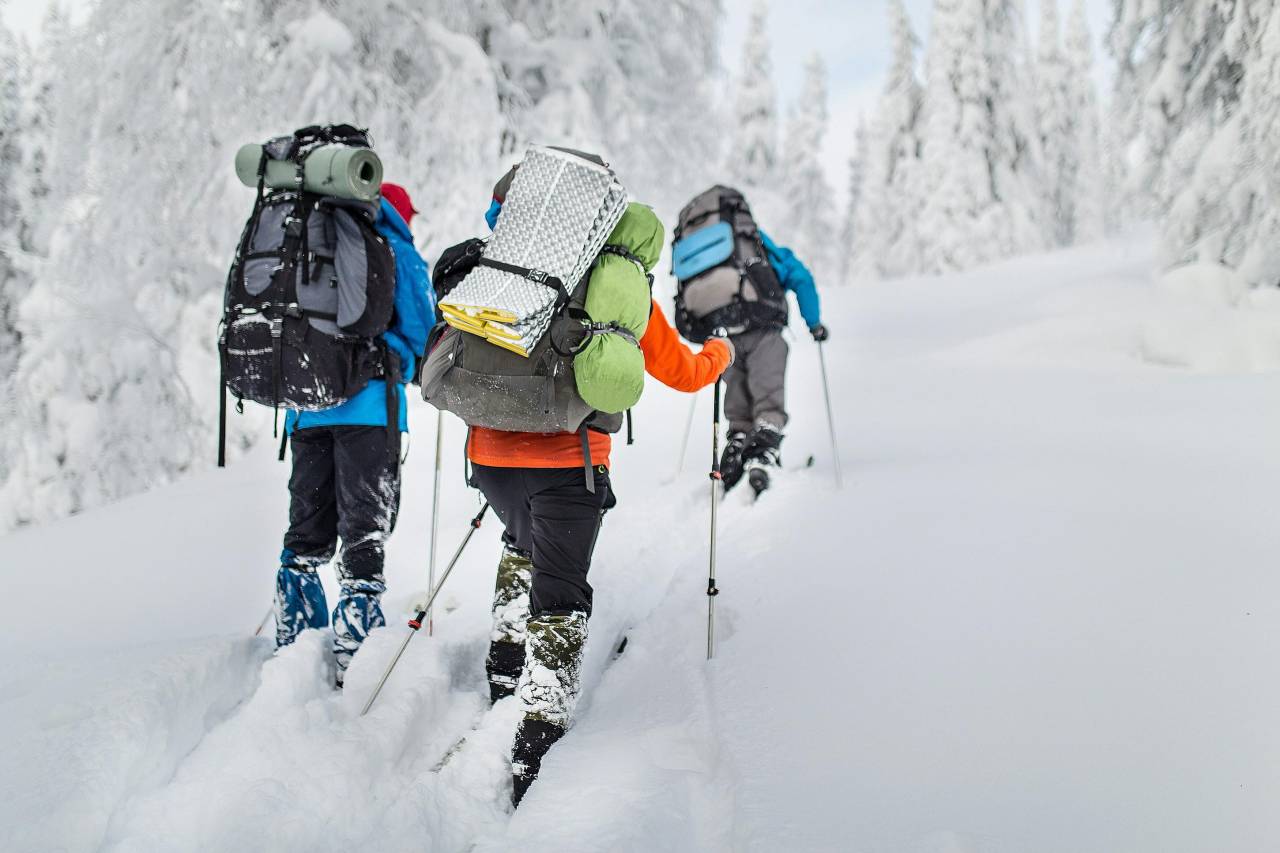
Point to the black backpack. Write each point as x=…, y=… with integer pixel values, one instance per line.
x=308, y=295
x=723, y=277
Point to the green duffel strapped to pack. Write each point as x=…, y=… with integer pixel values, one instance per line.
x=585, y=373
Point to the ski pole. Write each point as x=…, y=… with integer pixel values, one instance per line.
x=716, y=477
x=265, y=619
x=416, y=622
x=435, y=516
x=831, y=423
x=688, y=429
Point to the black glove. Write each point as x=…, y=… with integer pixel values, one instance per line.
x=819, y=332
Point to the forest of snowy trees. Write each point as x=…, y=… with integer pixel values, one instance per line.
x=118, y=205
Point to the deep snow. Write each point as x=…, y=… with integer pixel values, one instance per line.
x=1040, y=616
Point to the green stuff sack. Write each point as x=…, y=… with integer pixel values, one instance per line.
x=609, y=369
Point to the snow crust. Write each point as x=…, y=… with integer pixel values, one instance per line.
x=1040, y=616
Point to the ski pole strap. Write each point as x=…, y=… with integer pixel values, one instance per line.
x=588, y=474
x=534, y=275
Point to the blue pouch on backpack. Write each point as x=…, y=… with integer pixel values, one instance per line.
x=700, y=251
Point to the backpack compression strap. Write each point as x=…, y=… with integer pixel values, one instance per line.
x=536, y=276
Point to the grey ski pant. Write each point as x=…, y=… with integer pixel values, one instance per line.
x=755, y=387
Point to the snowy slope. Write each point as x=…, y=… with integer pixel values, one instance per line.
x=1040, y=616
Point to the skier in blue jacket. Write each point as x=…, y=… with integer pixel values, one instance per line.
x=343, y=484
x=755, y=386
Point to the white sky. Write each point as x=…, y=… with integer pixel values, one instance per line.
x=853, y=38
x=851, y=35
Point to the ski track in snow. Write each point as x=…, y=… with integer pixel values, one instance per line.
x=1041, y=616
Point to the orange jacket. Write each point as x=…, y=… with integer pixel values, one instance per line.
x=666, y=359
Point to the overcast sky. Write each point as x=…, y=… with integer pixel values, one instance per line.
x=851, y=35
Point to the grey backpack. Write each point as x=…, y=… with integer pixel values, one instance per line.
x=723, y=278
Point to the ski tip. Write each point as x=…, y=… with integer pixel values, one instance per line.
x=809, y=462
x=621, y=647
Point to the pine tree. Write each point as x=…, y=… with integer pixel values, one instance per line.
x=1056, y=123
x=891, y=197
x=857, y=179
x=1089, y=219
x=753, y=158
x=981, y=157
x=1184, y=71
x=118, y=375
x=807, y=192
x=13, y=69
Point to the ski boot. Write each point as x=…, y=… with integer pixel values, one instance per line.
x=299, y=601
x=358, y=612
x=510, y=613
x=548, y=692
x=731, y=469
x=763, y=455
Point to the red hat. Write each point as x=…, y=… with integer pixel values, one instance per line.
x=399, y=198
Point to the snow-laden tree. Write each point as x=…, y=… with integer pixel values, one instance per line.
x=118, y=375
x=891, y=197
x=753, y=153
x=810, y=214
x=1184, y=70
x=629, y=80
x=1056, y=124
x=1090, y=217
x=981, y=158
x=13, y=68
x=117, y=381
x=857, y=179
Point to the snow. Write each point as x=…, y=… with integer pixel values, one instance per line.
x=1040, y=616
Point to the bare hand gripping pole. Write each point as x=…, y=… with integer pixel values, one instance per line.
x=416, y=622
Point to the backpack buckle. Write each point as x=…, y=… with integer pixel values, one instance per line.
x=538, y=276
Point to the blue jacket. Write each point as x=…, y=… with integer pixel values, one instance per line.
x=796, y=278
x=414, y=317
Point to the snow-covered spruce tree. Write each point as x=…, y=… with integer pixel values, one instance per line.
x=810, y=217
x=13, y=69
x=1090, y=217
x=1056, y=124
x=1256, y=194
x=981, y=157
x=1183, y=71
x=629, y=80
x=14, y=208
x=891, y=197
x=857, y=178
x=753, y=153
x=118, y=376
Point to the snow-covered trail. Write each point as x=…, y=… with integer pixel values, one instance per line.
x=1040, y=616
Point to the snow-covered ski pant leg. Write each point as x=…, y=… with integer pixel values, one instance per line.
x=756, y=384
x=549, y=514
x=505, y=660
x=548, y=691
x=367, y=483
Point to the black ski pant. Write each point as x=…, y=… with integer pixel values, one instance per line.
x=345, y=485
x=549, y=514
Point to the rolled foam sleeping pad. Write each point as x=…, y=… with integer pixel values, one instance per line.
x=341, y=171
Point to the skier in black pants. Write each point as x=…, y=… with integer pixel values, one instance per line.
x=345, y=484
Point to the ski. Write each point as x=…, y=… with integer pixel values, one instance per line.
x=619, y=646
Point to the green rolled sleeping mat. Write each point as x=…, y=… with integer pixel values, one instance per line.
x=341, y=171
x=610, y=369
